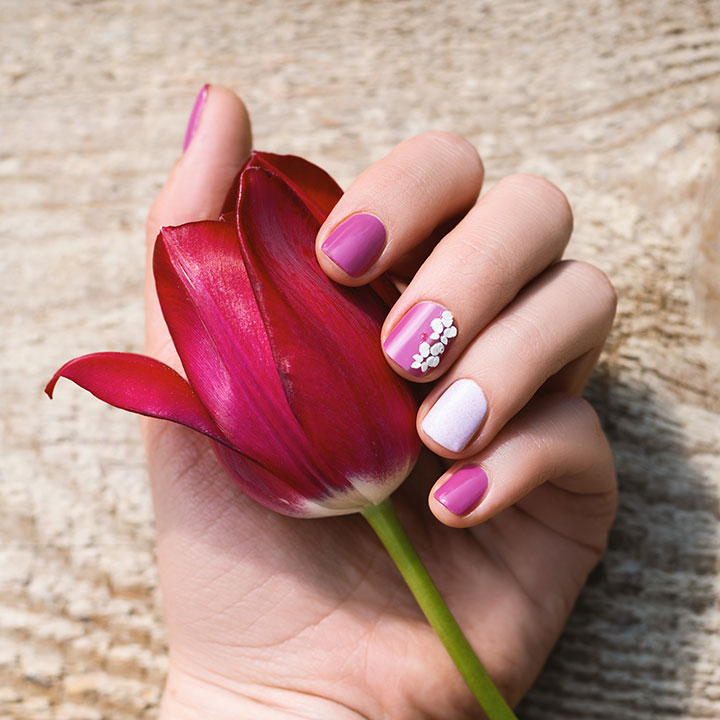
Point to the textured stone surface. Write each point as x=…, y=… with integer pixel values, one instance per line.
x=618, y=103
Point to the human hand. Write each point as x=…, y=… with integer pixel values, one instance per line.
x=274, y=617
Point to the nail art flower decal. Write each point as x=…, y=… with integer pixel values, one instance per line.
x=284, y=368
x=428, y=355
x=443, y=327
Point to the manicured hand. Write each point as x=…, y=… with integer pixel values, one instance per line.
x=275, y=617
x=507, y=332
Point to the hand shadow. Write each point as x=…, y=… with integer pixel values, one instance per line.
x=635, y=640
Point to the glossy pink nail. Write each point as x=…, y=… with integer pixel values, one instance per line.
x=355, y=243
x=463, y=490
x=418, y=342
x=194, y=120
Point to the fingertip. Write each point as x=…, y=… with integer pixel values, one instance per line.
x=335, y=272
x=349, y=250
x=449, y=518
x=195, y=115
x=415, y=340
x=219, y=119
x=456, y=497
x=219, y=143
x=444, y=515
x=233, y=104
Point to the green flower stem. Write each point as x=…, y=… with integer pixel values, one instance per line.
x=386, y=524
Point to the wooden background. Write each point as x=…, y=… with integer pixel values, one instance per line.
x=616, y=102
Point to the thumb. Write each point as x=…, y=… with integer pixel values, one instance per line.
x=217, y=143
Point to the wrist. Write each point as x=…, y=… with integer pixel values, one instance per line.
x=187, y=697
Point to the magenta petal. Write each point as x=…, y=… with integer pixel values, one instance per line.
x=317, y=190
x=385, y=289
x=290, y=494
x=219, y=334
x=312, y=184
x=325, y=339
x=139, y=384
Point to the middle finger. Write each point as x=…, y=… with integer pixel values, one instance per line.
x=513, y=233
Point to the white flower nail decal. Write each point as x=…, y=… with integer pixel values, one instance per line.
x=428, y=355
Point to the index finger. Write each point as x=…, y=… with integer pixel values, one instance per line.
x=394, y=205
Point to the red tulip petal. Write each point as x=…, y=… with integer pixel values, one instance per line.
x=320, y=193
x=325, y=339
x=139, y=384
x=386, y=290
x=219, y=334
x=290, y=494
x=312, y=184
x=293, y=494
x=316, y=189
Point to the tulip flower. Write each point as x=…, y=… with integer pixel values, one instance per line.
x=284, y=371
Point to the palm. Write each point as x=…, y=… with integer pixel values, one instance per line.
x=317, y=606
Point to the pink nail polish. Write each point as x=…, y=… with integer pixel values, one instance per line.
x=417, y=343
x=194, y=120
x=463, y=490
x=355, y=243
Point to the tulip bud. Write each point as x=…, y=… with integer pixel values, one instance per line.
x=284, y=367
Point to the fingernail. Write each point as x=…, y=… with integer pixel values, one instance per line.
x=418, y=341
x=464, y=490
x=194, y=120
x=355, y=243
x=456, y=415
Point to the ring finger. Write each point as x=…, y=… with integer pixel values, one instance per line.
x=556, y=442
x=556, y=321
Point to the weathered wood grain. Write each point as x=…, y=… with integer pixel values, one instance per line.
x=617, y=102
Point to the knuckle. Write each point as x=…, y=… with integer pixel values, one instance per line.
x=583, y=415
x=544, y=194
x=541, y=448
x=525, y=333
x=598, y=285
x=576, y=417
x=606, y=291
x=485, y=258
